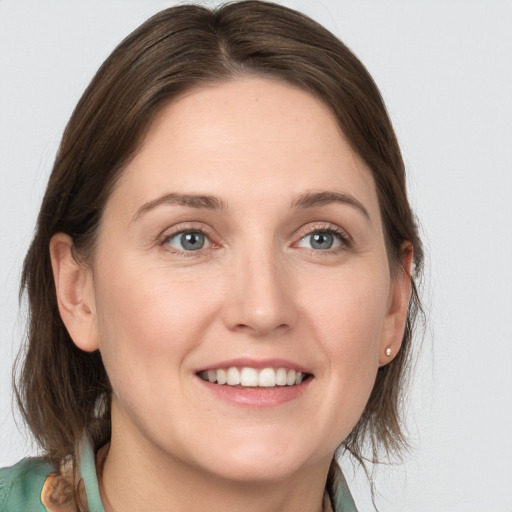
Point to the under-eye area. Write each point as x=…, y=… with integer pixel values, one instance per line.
x=253, y=377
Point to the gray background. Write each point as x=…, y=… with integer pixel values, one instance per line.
x=445, y=71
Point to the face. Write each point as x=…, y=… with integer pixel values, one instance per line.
x=241, y=294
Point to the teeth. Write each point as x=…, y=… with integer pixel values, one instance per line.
x=267, y=378
x=281, y=377
x=233, y=377
x=251, y=377
x=221, y=377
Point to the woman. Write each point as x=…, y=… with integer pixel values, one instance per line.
x=220, y=283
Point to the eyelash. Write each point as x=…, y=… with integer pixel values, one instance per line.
x=341, y=235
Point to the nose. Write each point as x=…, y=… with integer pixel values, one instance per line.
x=260, y=295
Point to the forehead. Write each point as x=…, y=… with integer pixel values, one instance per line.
x=269, y=138
x=271, y=113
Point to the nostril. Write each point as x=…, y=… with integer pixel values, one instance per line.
x=261, y=329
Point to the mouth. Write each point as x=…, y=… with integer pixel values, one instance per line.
x=249, y=377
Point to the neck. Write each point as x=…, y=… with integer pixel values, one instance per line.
x=135, y=477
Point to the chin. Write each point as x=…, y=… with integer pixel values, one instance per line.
x=261, y=471
x=263, y=462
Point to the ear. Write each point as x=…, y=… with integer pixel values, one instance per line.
x=398, y=304
x=75, y=293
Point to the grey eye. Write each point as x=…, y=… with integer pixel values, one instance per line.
x=320, y=240
x=190, y=241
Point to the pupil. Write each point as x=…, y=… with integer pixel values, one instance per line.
x=322, y=241
x=192, y=241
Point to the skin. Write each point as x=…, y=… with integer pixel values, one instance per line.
x=257, y=289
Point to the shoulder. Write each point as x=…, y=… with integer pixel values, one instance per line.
x=21, y=485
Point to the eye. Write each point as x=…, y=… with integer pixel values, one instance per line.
x=321, y=240
x=188, y=241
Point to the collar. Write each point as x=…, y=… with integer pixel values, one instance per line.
x=87, y=464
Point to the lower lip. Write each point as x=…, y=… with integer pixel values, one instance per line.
x=257, y=397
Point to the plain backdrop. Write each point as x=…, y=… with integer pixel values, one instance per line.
x=445, y=71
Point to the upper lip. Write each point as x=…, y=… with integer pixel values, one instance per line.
x=244, y=362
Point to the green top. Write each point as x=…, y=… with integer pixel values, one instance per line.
x=27, y=486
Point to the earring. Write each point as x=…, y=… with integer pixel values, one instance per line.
x=388, y=351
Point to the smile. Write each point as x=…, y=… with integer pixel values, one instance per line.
x=252, y=377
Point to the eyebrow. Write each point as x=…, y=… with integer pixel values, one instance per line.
x=324, y=198
x=190, y=200
x=208, y=202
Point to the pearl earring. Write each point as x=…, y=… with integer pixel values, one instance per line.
x=388, y=351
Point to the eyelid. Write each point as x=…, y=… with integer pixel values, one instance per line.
x=314, y=227
x=345, y=241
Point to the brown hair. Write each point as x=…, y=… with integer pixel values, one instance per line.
x=61, y=387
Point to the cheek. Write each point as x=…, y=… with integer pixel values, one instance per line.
x=149, y=320
x=349, y=311
x=349, y=319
